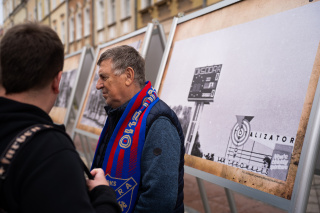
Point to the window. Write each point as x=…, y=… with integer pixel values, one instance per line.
x=39, y=11
x=35, y=13
x=112, y=32
x=63, y=34
x=79, y=25
x=145, y=3
x=125, y=8
x=46, y=7
x=87, y=21
x=54, y=4
x=71, y=29
x=100, y=14
x=10, y=6
x=100, y=37
x=125, y=26
x=112, y=11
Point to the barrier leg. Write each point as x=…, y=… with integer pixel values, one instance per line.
x=232, y=203
x=85, y=151
x=203, y=195
x=90, y=150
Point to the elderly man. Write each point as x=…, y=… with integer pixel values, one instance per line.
x=141, y=145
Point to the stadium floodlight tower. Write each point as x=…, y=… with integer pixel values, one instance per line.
x=202, y=91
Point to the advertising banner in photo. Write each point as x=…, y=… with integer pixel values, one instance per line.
x=243, y=87
x=93, y=116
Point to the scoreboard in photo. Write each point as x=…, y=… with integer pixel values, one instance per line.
x=204, y=83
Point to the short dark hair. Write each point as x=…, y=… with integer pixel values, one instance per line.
x=31, y=56
x=125, y=56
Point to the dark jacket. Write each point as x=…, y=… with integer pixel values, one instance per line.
x=161, y=109
x=161, y=187
x=47, y=175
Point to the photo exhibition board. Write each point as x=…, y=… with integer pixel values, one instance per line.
x=92, y=113
x=155, y=52
x=71, y=70
x=244, y=79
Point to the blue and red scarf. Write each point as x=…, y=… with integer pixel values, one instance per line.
x=122, y=158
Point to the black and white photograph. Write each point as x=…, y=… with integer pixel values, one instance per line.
x=64, y=102
x=94, y=114
x=66, y=84
x=249, y=117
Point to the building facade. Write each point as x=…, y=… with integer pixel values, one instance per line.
x=82, y=23
x=165, y=10
x=14, y=12
x=57, y=19
x=113, y=19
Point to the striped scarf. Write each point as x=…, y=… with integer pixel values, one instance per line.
x=122, y=157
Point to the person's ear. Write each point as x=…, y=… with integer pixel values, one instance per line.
x=56, y=83
x=129, y=74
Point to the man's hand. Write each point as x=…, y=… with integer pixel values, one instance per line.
x=99, y=179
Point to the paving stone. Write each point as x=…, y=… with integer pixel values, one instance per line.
x=313, y=200
x=313, y=208
x=316, y=179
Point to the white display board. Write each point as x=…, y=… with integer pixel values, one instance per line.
x=253, y=128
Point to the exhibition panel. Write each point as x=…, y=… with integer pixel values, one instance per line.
x=75, y=69
x=245, y=78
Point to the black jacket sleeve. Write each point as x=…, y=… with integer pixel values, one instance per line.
x=103, y=199
x=48, y=177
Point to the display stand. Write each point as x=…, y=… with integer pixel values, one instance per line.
x=261, y=134
x=150, y=42
x=317, y=169
x=203, y=195
x=76, y=66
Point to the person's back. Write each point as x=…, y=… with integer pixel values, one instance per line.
x=46, y=174
x=44, y=169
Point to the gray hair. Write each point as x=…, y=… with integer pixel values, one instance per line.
x=123, y=57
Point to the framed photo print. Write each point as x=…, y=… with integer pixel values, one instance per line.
x=74, y=65
x=245, y=76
